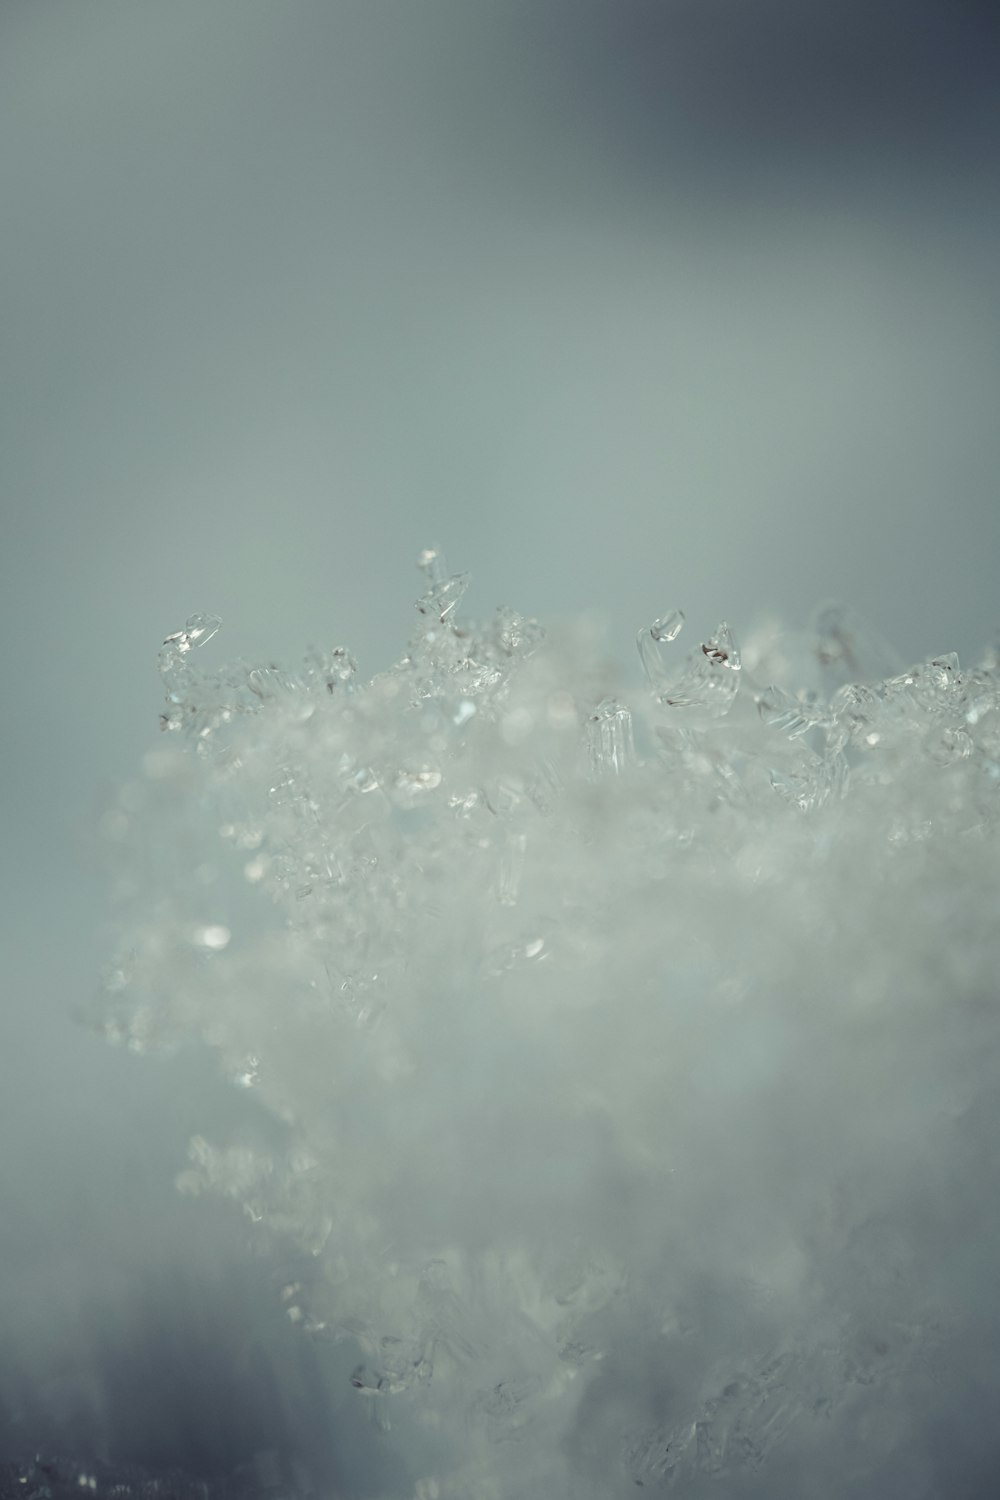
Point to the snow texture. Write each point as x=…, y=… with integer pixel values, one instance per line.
x=633, y=1054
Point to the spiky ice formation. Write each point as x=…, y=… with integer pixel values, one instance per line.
x=636, y=1058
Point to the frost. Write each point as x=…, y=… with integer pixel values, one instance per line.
x=635, y=1050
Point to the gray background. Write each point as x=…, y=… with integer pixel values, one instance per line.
x=626, y=305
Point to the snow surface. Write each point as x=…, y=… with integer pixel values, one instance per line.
x=632, y=1055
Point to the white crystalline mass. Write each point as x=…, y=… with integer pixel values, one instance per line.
x=637, y=1051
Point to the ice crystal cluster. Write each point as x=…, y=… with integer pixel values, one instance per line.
x=634, y=1051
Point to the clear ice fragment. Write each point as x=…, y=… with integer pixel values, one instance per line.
x=669, y=627
x=610, y=738
x=333, y=671
x=198, y=631
x=411, y=786
x=511, y=868
x=721, y=649
x=652, y=643
x=710, y=679
x=794, y=717
x=443, y=598
x=175, y=668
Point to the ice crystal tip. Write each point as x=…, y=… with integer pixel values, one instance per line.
x=198, y=631
x=443, y=598
x=669, y=627
x=431, y=561
x=721, y=649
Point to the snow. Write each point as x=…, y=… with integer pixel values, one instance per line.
x=632, y=1050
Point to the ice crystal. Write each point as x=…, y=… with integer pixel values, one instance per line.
x=630, y=1046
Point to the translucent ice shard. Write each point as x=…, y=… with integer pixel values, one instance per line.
x=444, y=593
x=611, y=742
x=175, y=668
x=710, y=679
x=654, y=642
x=335, y=671
x=444, y=597
x=198, y=631
x=793, y=716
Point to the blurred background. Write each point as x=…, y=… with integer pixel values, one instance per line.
x=627, y=304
